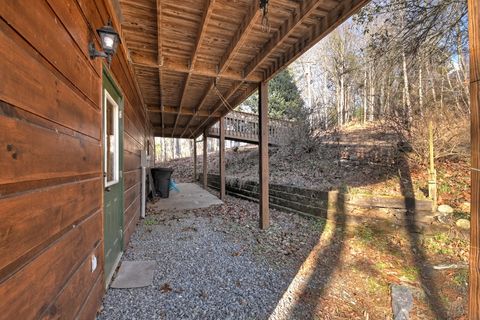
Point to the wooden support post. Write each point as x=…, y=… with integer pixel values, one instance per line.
x=263, y=152
x=474, y=34
x=205, y=159
x=221, y=147
x=194, y=159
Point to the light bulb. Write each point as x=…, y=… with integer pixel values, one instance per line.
x=108, y=41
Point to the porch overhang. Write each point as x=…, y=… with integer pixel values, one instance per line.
x=188, y=56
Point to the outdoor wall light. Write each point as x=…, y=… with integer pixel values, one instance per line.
x=109, y=39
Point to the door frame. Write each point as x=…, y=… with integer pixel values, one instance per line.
x=108, y=78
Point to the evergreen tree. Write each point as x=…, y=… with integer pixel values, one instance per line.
x=284, y=97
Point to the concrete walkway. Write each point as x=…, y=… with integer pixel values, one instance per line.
x=191, y=196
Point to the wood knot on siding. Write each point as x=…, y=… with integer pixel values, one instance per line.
x=12, y=150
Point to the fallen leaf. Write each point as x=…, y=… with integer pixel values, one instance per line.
x=165, y=288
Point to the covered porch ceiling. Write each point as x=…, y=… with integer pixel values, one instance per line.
x=189, y=54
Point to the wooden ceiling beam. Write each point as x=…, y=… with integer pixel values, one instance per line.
x=200, y=106
x=333, y=19
x=303, y=11
x=207, y=13
x=182, y=100
x=333, y=12
x=167, y=132
x=200, y=69
x=183, y=112
x=159, y=55
x=116, y=21
x=237, y=42
x=240, y=37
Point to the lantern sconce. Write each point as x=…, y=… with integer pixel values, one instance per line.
x=109, y=39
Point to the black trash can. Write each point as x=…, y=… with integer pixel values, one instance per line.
x=161, y=180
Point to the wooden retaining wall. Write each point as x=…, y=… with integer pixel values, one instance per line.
x=329, y=204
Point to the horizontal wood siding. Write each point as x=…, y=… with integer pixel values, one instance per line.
x=27, y=294
x=51, y=180
x=52, y=210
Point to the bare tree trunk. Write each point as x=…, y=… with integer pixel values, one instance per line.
x=408, y=103
x=452, y=90
x=339, y=118
x=365, y=98
x=324, y=100
x=461, y=61
x=342, y=99
x=420, y=90
x=382, y=98
x=178, y=150
x=464, y=92
x=441, y=93
x=432, y=82
x=372, y=94
x=387, y=102
x=309, y=87
x=164, y=143
x=347, y=104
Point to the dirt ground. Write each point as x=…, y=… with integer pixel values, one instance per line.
x=347, y=273
x=335, y=272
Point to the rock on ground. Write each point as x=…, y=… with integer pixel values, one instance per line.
x=463, y=224
x=445, y=209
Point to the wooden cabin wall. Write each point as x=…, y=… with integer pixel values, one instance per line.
x=51, y=180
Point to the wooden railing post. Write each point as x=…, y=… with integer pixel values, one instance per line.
x=263, y=154
x=474, y=35
x=221, y=151
x=194, y=159
x=205, y=159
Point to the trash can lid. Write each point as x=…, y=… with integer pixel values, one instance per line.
x=163, y=169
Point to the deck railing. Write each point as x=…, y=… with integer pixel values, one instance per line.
x=244, y=127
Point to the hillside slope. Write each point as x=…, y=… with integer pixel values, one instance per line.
x=362, y=159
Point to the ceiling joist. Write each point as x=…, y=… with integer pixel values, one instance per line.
x=201, y=35
x=237, y=42
x=330, y=21
x=200, y=106
x=240, y=37
x=303, y=11
x=184, y=112
x=200, y=69
x=159, y=56
x=198, y=47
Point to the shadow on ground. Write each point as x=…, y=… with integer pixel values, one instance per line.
x=229, y=269
x=433, y=296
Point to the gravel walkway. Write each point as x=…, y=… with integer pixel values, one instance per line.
x=213, y=264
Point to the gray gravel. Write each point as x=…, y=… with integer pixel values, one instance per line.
x=209, y=266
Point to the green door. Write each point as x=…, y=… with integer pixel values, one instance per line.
x=113, y=177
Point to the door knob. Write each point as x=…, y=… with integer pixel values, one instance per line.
x=108, y=189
